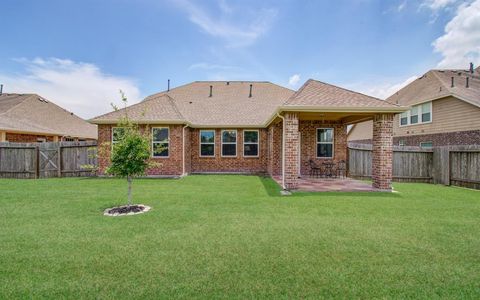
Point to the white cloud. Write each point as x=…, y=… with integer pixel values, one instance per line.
x=382, y=90
x=237, y=27
x=294, y=79
x=402, y=6
x=461, y=42
x=81, y=88
x=438, y=4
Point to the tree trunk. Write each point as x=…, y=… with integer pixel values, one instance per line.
x=129, y=180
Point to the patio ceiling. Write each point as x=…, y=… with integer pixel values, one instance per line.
x=344, y=117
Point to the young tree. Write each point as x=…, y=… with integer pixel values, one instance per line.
x=130, y=154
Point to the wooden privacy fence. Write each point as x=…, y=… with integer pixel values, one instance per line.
x=448, y=165
x=45, y=160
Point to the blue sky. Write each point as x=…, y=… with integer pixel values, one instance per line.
x=80, y=53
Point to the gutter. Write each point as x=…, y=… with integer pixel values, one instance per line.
x=283, y=150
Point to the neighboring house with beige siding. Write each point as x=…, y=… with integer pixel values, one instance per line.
x=445, y=110
x=30, y=118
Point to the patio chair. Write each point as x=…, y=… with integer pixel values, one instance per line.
x=341, y=169
x=314, y=169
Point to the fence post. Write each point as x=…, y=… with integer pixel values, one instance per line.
x=441, y=165
x=37, y=162
x=59, y=160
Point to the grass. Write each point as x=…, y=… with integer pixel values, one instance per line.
x=235, y=237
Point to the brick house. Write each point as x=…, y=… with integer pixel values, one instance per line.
x=445, y=110
x=254, y=127
x=30, y=118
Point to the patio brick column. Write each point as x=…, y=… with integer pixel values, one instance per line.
x=291, y=150
x=382, y=151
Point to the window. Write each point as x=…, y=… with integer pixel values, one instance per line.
x=117, y=134
x=426, y=112
x=418, y=114
x=160, y=141
x=250, y=143
x=207, y=143
x=401, y=143
x=404, y=118
x=229, y=143
x=426, y=144
x=414, y=115
x=325, y=142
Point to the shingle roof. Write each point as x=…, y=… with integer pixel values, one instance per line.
x=154, y=109
x=34, y=114
x=231, y=104
x=436, y=84
x=324, y=95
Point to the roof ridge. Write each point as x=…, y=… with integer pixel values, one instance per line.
x=298, y=91
x=11, y=108
x=174, y=105
x=440, y=80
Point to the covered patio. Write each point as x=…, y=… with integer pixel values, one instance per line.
x=314, y=139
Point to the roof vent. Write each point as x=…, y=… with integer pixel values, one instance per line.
x=250, y=95
x=453, y=83
x=471, y=67
x=228, y=82
x=211, y=91
x=1, y=89
x=467, y=85
x=168, y=85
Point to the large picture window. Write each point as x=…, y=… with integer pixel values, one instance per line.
x=250, y=143
x=160, y=141
x=229, y=143
x=325, y=143
x=207, y=143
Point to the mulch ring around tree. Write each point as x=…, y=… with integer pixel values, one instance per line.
x=126, y=210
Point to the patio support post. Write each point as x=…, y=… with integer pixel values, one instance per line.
x=382, y=151
x=290, y=135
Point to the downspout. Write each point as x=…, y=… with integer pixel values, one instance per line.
x=283, y=150
x=183, y=149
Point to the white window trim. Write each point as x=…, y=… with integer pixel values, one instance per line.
x=168, y=142
x=111, y=138
x=228, y=143
x=250, y=143
x=420, y=112
x=332, y=142
x=200, y=143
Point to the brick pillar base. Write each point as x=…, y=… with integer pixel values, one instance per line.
x=291, y=150
x=382, y=151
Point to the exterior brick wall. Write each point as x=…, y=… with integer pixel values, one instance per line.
x=471, y=137
x=169, y=166
x=308, y=132
x=291, y=150
x=275, y=149
x=26, y=138
x=382, y=151
x=238, y=164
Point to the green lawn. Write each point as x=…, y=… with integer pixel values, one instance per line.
x=235, y=237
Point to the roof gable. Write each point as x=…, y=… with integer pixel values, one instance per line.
x=324, y=95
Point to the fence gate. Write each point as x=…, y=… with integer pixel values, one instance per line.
x=48, y=160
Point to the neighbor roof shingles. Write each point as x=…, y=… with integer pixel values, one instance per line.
x=436, y=84
x=34, y=114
